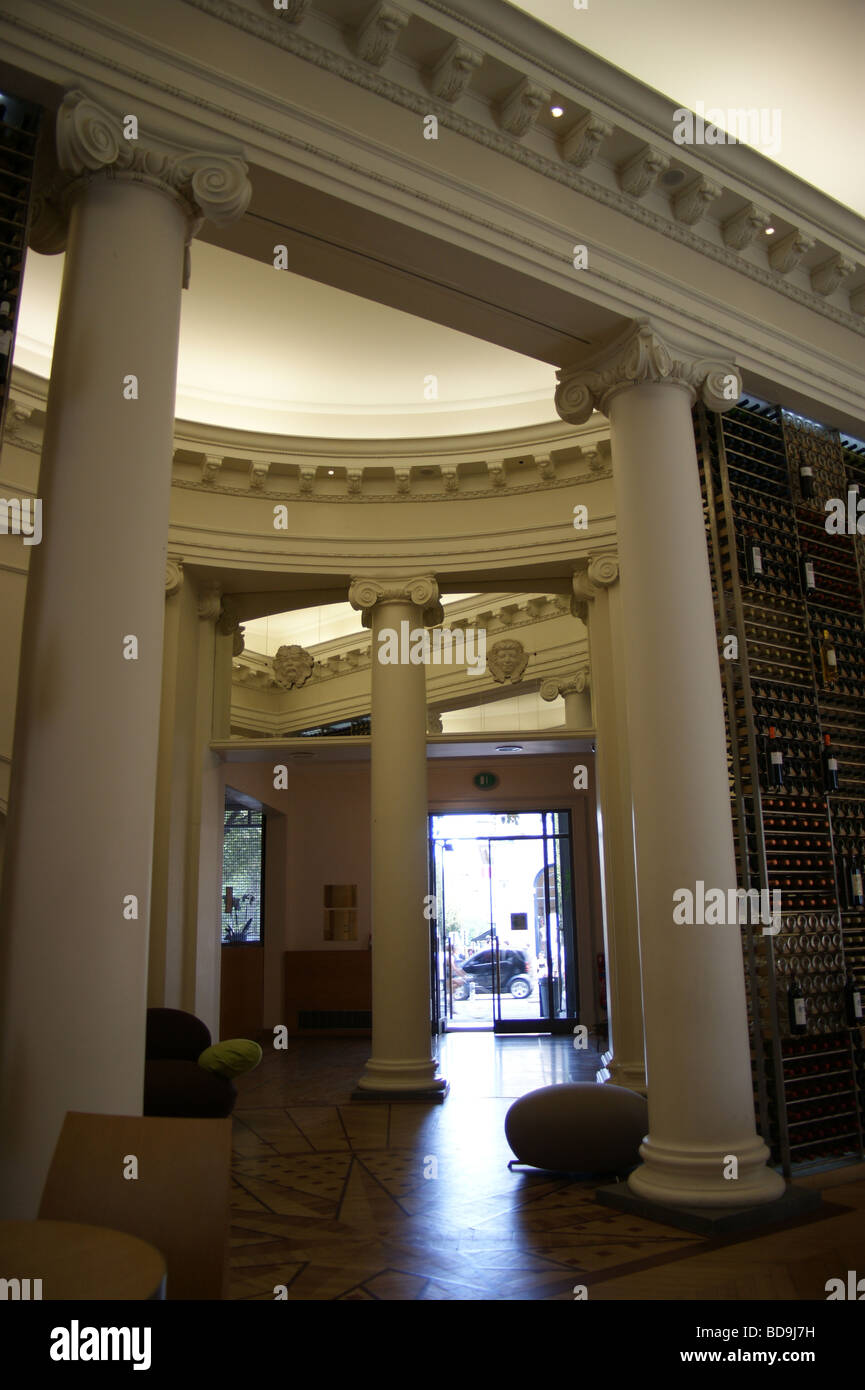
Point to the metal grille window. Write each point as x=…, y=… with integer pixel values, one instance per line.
x=242, y=877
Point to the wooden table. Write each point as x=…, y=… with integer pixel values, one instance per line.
x=79, y=1262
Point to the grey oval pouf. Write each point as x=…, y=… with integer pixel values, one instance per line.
x=578, y=1128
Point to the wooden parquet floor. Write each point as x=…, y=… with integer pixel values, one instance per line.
x=333, y=1200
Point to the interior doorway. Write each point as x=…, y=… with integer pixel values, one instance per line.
x=503, y=929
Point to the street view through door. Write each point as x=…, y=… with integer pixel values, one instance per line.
x=503, y=938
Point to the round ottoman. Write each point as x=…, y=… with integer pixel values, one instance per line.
x=578, y=1128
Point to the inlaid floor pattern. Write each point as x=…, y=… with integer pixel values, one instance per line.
x=338, y=1200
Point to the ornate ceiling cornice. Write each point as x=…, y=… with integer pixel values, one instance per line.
x=810, y=216
x=634, y=175
x=282, y=470
x=344, y=656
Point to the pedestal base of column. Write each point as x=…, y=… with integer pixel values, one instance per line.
x=401, y=1081
x=677, y=1178
x=793, y=1204
x=631, y=1075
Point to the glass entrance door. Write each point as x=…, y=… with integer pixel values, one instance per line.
x=504, y=940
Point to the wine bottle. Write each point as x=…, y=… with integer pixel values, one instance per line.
x=774, y=759
x=806, y=480
x=843, y=878
x=830, y=765
x=807, y=572
x=753, y=557
x=853, y=1002
x=857, y=896
x=797, y=1008
x=828, y=660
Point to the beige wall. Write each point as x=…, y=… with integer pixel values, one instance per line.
x=322, y=833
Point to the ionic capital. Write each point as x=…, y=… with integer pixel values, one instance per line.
x=421, y=590
x=594, y=573
x=554, y=686
x=93, y=141
x=173, y=577
x=636, y=355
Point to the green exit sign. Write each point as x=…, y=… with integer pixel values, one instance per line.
x=485, y=780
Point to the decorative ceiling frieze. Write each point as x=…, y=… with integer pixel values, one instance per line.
x=526, y=460
x=785, y=255
x=600, y=98
x=744, y=227
x=638, y=174
x=519, y=110
x=692, y=201
x=450, y=74
x=345, y=656
x=378, y=33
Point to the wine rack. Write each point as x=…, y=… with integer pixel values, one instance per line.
x=790, y=592
x=19, y=127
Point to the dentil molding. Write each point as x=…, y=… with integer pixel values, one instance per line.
x=636, y=355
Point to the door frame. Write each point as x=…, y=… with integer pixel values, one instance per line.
x=549, y=1025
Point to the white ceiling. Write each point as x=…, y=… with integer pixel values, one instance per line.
x=307, y=627
x=801, y=57
x=267, y=350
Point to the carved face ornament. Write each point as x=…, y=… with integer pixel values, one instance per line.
x=507, y=660
x=292, y=666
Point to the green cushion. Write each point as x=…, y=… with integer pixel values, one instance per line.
x=231, y=1058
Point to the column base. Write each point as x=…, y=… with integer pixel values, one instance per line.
x=631, y=1075
x=677, y=1177
x=793, y=1204
x=395, y=1082
x=401, y=1097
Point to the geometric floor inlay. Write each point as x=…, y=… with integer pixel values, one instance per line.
x=335, y=1200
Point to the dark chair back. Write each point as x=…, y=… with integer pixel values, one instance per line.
x=173, y=1035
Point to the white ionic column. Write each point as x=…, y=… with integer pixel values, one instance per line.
x=402, y=1059
x=184, y=951
x=597, y=601
x=76, y=887
x=701, y=1108
x=577, y=696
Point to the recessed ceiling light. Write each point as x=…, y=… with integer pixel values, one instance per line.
x=510, y=748
x=330, y=472
x=770, y=231
x=672, y=178
x=557, y=111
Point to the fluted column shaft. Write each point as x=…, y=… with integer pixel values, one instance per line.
x=402, y=1060
x=701, y=1110
x=77, y=877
